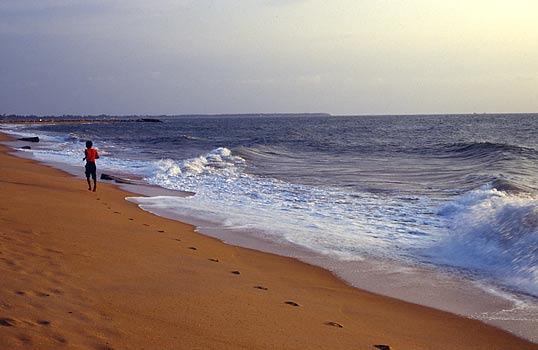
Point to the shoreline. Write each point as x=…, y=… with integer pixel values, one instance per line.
x=428, y=286
x=233, y=304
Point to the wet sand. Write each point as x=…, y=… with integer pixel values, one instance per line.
x=83, y=270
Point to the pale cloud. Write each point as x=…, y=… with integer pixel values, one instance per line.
x=258, y=82
x=238, y=56
x=314, y=80
x=303, y=80
x=49, y=8
x=35, y=5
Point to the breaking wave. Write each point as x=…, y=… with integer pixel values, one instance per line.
x=493, y=230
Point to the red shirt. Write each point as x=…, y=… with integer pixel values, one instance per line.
x=91, y=154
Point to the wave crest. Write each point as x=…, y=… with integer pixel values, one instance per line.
x=496, y=232
x=220, y=161
x=480, y=149
x=264, y=152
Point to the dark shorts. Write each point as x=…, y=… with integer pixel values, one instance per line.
x=91, y=169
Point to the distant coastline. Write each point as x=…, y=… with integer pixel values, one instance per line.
x=105, y=118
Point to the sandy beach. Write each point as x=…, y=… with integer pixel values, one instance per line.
x=82, y=270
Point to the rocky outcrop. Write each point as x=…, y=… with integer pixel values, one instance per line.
x=117, y=179
x=148, y=120
x=29, y=139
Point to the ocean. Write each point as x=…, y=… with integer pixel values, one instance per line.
x=453, y=195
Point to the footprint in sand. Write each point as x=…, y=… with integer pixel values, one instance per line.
x=235, y=272
x=8, y=262
x=292, y=303
x=214, y=260
x=161, y=231
x=41, y=294
x=261, y=288
x=20, y=292
x=7, y=322
x=193, y=248
x=117, y=212
x=131, y=219
x=334, y=324
x=60, y=339
x=382, y=347
x=145, y=224
x=24, y=338
x=43, y=322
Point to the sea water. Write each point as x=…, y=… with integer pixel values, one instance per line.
x=442, y=195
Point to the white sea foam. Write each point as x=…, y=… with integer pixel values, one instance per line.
x=218, y=161
x=17, y=130
x=485, y=230
x=493, y=232
x=70, y=151
x=326, y=220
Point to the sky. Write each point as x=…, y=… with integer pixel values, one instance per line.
x=353, y=57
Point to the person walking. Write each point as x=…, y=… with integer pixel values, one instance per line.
x=90, y=155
